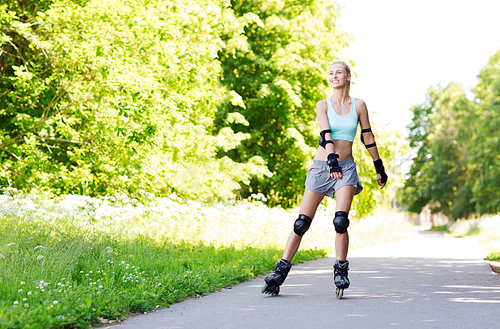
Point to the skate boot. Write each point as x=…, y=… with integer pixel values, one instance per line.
x=340, y=277
x=274, y=280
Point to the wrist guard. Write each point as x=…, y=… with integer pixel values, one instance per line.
x=379, y=168
x=333, y=163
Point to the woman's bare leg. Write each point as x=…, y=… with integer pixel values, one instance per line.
x=308, y=207
x=343, y=198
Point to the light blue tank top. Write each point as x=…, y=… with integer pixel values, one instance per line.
x=343, y=127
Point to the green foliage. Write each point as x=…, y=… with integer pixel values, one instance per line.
x=494, y=256
x=278, y=68
x=485, y=146
x=209, y=99
x=440, y=176
x=119, y=96
x=456, y=168
x=389, y=143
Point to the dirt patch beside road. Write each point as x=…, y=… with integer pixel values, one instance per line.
x=495, y=266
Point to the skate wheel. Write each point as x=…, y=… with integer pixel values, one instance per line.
x=270, y=290
x=339, y=293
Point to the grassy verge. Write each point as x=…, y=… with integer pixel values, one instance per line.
x=494, y=256
x=74, y=261
x=72, y=278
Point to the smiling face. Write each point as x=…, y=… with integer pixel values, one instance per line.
x=338, y=76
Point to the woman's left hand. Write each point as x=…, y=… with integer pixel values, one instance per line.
x=379, y=181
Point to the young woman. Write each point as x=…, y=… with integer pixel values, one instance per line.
x=332, y=173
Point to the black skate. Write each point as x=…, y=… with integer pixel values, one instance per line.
x=274, y=280
x=340, y=277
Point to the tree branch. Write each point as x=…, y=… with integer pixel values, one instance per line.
x=62, y=140
x=45, y=116
x=22, y=177
x=12, y=154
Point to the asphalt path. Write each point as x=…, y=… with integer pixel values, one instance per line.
x=425, y=282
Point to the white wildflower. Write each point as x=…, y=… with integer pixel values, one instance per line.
x=16, y=302
x=55, y=302
x=39, y=257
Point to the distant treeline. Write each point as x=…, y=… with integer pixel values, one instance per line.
x=457, y=139
x=207, y=99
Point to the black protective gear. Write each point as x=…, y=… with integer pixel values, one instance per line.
x=379, y=167
x=322, y=140
x=341, y=222
x=371, y=145
x=368, y=130
x=333, y=163
x=302, y=224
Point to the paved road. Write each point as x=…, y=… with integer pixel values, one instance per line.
x=425, y=282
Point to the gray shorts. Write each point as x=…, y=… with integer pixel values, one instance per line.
x=319, y=181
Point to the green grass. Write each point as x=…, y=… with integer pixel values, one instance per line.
x=494, y=256
x=71, y=278
x=439, y=228
x=75, y=261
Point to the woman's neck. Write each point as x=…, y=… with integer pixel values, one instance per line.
x=340, y=96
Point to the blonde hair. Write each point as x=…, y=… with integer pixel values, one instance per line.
x=347, y=70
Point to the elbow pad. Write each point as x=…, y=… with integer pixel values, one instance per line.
x=369, y=130
x=322, y=141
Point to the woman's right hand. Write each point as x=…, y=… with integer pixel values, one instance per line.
x=337, y=175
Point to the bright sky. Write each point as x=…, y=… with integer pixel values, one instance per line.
x=401, y=48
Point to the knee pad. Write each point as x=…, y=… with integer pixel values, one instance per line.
x=341, y=222
x=302, y=225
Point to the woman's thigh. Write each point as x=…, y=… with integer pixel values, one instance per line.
x=310, y=203
x=343, y=198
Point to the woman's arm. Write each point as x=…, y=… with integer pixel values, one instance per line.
x=321, y=113
x=368, y=138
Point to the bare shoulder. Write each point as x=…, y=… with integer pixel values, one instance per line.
x=321, y=105
x=360, y=103
x=361, y=106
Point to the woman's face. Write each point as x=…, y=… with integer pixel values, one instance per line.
x=337, y=76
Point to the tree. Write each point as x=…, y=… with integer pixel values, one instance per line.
x=485, y=145
x=119, y=96
x=278, y=68
x=440, y=176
